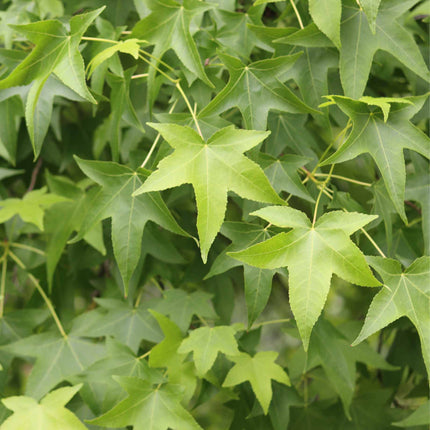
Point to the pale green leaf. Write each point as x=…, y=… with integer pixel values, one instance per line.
x=405, y=293
x=326, y=15
x=213, y=167
x=420, y=417
x=206, y=343
x=259, y=371
x=49, y=414
x=312, y=254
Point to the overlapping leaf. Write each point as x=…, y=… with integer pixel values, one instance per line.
x=384, y=137
x=129, y=213
x=213, y=168
x=405, y=293
x=312, y=254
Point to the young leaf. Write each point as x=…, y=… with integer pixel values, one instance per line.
x=31, y=208
x=359, y=44
x=404, y=294
x=256, y=89
x=148, y=408
x=259, y=371
x=384, y=140
x=213, y=168
x=312, y=254
x=129, y=213
x=206, y=343
x=49, y=414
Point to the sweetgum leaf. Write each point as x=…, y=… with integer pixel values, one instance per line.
x=148, y=408
x=405, y=293
x=384, y=139
x=129, y=213
x=49, y=414
x=359, y=44
x=213, y=167
x=312, y=254
x=259, y=371
x=206, y=343
x=256, y=89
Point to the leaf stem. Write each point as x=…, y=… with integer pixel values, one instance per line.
x=299, y=18
x=3, y=279
x=27, y=248
x=279, y=321
x=99, y=39
x=151, y=150
x=141, y=75
x=373, y=243
x=365, y=184
x=144, y=355
x=320, y=193
x=42, y=293
x=193, y=114
x=157, y=69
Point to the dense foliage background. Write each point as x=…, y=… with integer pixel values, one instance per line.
x=214, y=214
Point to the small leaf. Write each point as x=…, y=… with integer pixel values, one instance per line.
x=259, y=371
x=206, y=343
x=49, y=414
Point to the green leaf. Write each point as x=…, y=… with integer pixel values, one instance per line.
x=181, y=307
x=256, y=89
x=326, y=15
x=11, y=111
x=56, y=51
x=172, y=32
x=49, y=414
x=312, y=254
x=147, y=408
x=213, y=167
x=370, y=8
x=31, y=208
x=117, y=318
x=206, y=343
x=58, y=358
x=129, y=46
x=420, y=417
x=359, y=44
x=259, y=371
x=129, y=213
x=405, y=293
x=384, y=140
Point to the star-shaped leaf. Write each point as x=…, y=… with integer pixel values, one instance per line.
x=359, y=44
x=58, y=358
x=256, y=89
x=405, y=293
x=213, y=167
x=49, y=414
x=172, y=32
x=56, y=51
x=258, y=282
x=326, y=15
x=181, y=307
x=206, y=343
x=129, y=213
x=117, y=318
x=384, y=140
x=312, y=254
x=31, y=208
x=259, y=371
x=148, y=408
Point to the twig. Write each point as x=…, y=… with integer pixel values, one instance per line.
x=34, y=174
